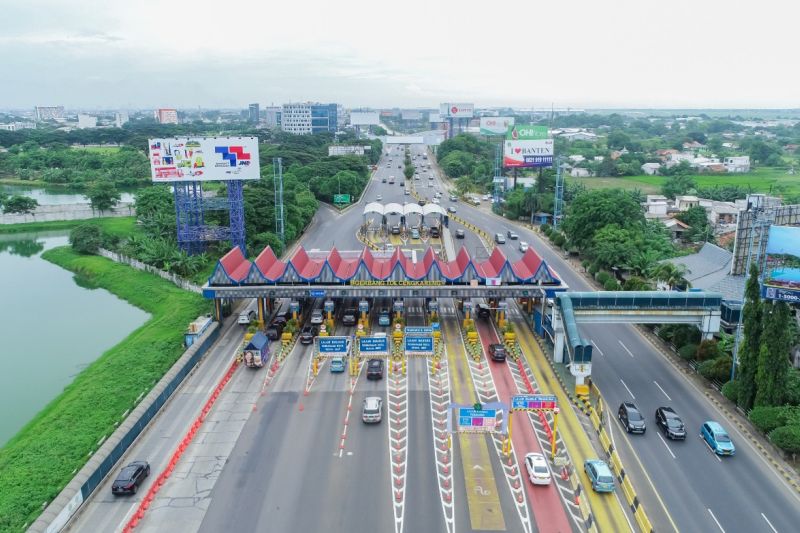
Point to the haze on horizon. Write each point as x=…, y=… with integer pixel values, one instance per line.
x=626, y=53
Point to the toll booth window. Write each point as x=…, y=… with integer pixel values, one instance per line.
x=453, y=293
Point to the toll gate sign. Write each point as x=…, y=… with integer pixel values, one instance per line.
x=477, y=419
x=373, y=345
x=419, y=345
x=333, y=346
x=534, y=402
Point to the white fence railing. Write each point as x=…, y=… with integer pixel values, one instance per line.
x=138, y=265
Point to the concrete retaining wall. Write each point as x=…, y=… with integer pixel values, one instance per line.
x=49, y=213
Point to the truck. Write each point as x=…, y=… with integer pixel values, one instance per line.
x=256, y=352
x=391, y=180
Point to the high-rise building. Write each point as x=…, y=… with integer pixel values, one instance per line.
x=272, y=116
x=253, y=113
x=86, y=121
x=167, y=116
x=120, y=118
x=48, y=113
x=304, y=118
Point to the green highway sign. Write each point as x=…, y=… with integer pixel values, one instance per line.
x=341, y=198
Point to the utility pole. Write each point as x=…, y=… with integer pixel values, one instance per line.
x=277, y=180
x=559, y=194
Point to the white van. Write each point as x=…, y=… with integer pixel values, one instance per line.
x=247, y=317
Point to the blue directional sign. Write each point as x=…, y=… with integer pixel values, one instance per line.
x=373, y=345
x=316, y=293
x=435, y=326
x=423, y=345
x=363, y=306
x=477, y=418
x=294, y=306
x=418, y=330
x=534, y=401
x=332, y=345
x=328, y=306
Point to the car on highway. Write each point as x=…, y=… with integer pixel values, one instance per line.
x=349, y=317
x=337, y=365
x=599, y=474
x=379, y=198
x=396, y=229
x=523, y=246
x=483, y=311
x=383, y=180
x=435, y=231
x=486, y=196
x=453, y=198
x=247, y=317
x=499, y=238
x=511, y=235
x=384, y=317
x=451, y=209
x=717, y=438
x=407, y=192
x=631, y=418
x=416, y=176
x=670, y=423
x=307, y=334
x=375, y=369
x=415, y=233
x=316, y=317
x=372, y=409
x=275, y=329
x=460, y=234
x=538, y=471
x=497, y=352
x=130, y=478
x=422, y=202
x=399, y=166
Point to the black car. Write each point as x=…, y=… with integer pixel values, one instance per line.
x=669, y=421
x=307, y=334
x=460, y=234
x=497, y=352
x=375, y=369
x=130, y=478
x=483, y=311
x=275, y=330
x=434, y=231
x=396, y=229
x=631, y=418
x=349, y=317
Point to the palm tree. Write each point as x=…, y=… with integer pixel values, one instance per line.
x=643, y=262
x=671, y=274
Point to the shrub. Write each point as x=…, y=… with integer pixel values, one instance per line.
x=768, y=418
x=731, y=390
x=594, y=268
x=685, y=334
x=688, y=351
x=611, y=285
x=708, y=350
x=86, y=238
x=666, y=331
x=787, y=438
x=585, y=264
x=546, y=228
x=718, y=369
x=291, y=326
x=602, y=277
x=792, y=395
x=559, y=240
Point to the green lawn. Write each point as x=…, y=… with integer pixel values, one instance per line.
x=764, y=179
x=42, y=458
x=118, y=226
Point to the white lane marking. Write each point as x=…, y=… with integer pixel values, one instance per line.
x=716, y=521
x=768, y=522
x=626, y=348
x=666, y=445
x=598, y=348
x=662, y=390
x=627, y=389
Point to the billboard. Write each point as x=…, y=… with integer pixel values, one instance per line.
x=411, y=114
x=525, y=154
x=364, y=118
x=496, y=125
x=461, y=110
x=781, y=279
x=345, y=150
x=204, y=159
x=526, y=132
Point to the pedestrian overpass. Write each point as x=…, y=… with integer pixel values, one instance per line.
x=624, y=307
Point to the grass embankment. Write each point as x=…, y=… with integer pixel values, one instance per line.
x=42, y=458
x=763, y=180
x=117, y=226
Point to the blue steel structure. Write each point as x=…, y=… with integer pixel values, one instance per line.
x=190, y=208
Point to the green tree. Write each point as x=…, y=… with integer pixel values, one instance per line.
x=613, y=246
x=671, y=274
x=747, y=355
x=594, y=210
x=678, y=185
x=103, y=195
x=773, y=356
x=697, y=220
x=21, y=205
x=86, y=238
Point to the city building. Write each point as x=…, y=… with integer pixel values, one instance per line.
x=167, y=116
x=272, y=116
x=737, y=164
x=253, y=113
x=48, y=113
x=86, y=121
x=120, y=118
x=305, y=118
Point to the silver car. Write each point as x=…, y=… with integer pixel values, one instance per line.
x=538, y=471
x=372, y=409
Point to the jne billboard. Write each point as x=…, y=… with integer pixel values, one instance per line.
x=204, y=159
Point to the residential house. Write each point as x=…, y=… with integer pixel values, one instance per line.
x=665, y=153
x=598, y=158
x=693, y=145
x=579, y=136
x=576, y=158
x=708, y=164
x=720, y=213
x=675, y=227
x=730, y=146
x=579, y=172
x=651, y=169
x=709, y=270
x=674, y=159
x=683, y=203
x=791, y=147
x=616, y=154
x=738, y=164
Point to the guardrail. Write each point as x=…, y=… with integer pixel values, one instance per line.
x=105, y=459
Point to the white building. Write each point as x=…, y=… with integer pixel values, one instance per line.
x=87, y=121
x=120, y=118
x=738, y=164
x=683, y=203
x=579, y=136
x=48, y=113
x=296, y=118
x=8, y=127
x=578, y=172
x=272, y=116
x=675, y=159
x=651, y=169
x=577, y=158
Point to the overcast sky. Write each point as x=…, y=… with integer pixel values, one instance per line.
x=408, y=53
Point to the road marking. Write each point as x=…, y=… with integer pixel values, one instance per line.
x=716, y=521
x=768, y=522
x=627, y=389
x=666, y=445
x=626, y=348
x=598, y=348
x=662, y=390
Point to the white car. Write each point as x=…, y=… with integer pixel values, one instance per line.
x=523, y=246
x=538, y=471
x=435, y=200
x=379, y=197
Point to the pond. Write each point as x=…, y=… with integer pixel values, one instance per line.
x=55, y=195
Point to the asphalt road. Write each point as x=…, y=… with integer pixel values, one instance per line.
x=698, y=491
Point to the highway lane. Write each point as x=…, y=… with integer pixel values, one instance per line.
x=764, y=492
